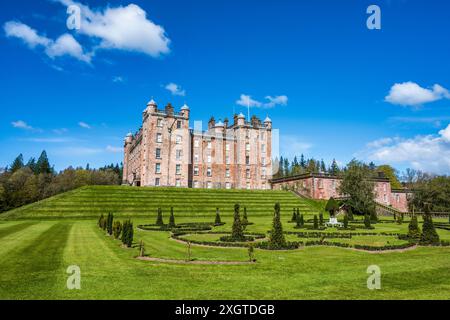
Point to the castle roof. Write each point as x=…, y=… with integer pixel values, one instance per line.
x=185, y=107
x=241, y=115
x=151, y=102
x=267, y=119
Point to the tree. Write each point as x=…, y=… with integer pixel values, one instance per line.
x=32, y=165
x=367, y=221
x=43, y=165
x=171, y=219
x=127, y=233
x=346, y=221
x=244, y=217
x=237, y=232
x=321, y=219
x=276, y=239
x=294, y=215
x=117, y=229
x=315, y=223
x=357, y=184
x=302, y=162
x=218, y=221
x=159, y=218
x=429, y=235
x=334, y=168
x=323, y=168
x=413, y=229
x=332, y=206
x=350, y=213
x=300, y=221
x=17, y=163
x=373, y=215
x=109, y=224
x=390, y=173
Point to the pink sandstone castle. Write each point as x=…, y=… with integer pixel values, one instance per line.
x=167, y=152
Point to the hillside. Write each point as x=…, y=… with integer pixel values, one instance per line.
x=90, y=202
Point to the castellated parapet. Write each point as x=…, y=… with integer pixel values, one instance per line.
x=167, y=152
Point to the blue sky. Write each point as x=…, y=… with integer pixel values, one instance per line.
x=336, y=89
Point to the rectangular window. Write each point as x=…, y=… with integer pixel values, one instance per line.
x=209, y=159
x=209, y=172
x=196, y=158
x=178, y=169
x=209, y=144
x=227, y=173
x=209, y=185
x=158, y=153
x=227, y=147
x=178, y=139
x=195, y=184
x=263, y=148
x=158, y=168
x=227, y=159
x=247, y=173
x=196, y=143
x=263, y=161
x=247, y=147
x=228, y=185
x=178, y=154
x=263, y=172
x=157, y=181
x=179, y=124
x=178, y=183
x=159, y=137
x=263, y=136
x=247, y=160
x=195, y=171
x=159, y=122
x=248, y=185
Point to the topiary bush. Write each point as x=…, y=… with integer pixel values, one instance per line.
x=171, y=219
x=237, y=232
x=159, y=218
x=276, y=239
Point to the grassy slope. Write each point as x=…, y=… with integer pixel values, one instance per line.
x=90, y=202
x=33, y=266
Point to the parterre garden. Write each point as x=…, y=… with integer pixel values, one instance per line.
x=183, y=252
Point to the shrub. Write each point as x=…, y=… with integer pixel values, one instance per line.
x=373, y=215
x=413, y=229
x=294, y=215
x=315, y=223
x=300, y=221
x=321, y=219
x=237, y=232
x=332, y=206
x=276, y=239
x=117, y=229
x=171, y=219
x=346, y=221
x=127, y=233
x=218, y=221
x=109, y=224
x=251, y=253
x=429, y=234
x=367, y=222
x=244, y=217
x=399, y=219
x=350, y=214
x=159, y=218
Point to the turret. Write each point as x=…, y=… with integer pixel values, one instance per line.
x=268, y=123
x=241, y=119
x=185, y=111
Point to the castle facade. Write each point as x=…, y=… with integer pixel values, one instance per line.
x=166, y=151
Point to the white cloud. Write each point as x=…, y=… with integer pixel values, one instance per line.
x=118, y=79
x=21, y=125
x=175, y=89
x=125, y=28
x=411, y=94
x=60, y=131
x=67, y=45
x=84, y=125
x=25, y=33
x=430, y=153
x=114, y=149
x=64, y=45
x=291, y=146
x=277, y=100
x=246, y=100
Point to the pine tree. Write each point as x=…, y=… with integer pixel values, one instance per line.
x=17, y=163
x=117, y=229
x=159, y=218
x=236, y=231
x=294, y=215
x=367, y=221
x=43, y=165
x=316, y=222
x=302, y=162
x=109, y=224
x=346, y=221
x=218, y=221
x=429, y=235
x=334, y=168
x=130, y=235
x=413, y=229
x=276, y=239
x=244, y=217
x=125, y=231
x=171, y=219
x=32, y=165
x=323, y=168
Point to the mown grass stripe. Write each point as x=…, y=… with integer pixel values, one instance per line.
x=38, y=264
x=6, y=231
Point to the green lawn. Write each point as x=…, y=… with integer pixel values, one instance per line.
x=36, y=253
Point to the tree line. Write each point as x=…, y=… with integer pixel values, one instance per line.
x=23, y=183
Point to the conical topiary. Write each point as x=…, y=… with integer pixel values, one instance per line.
x=413, y=229
x=276, y=239
x=159, y=218
x=429, y=235
x=217, y=221
x=315, y=222
x=171, y=219
x=237, y=232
